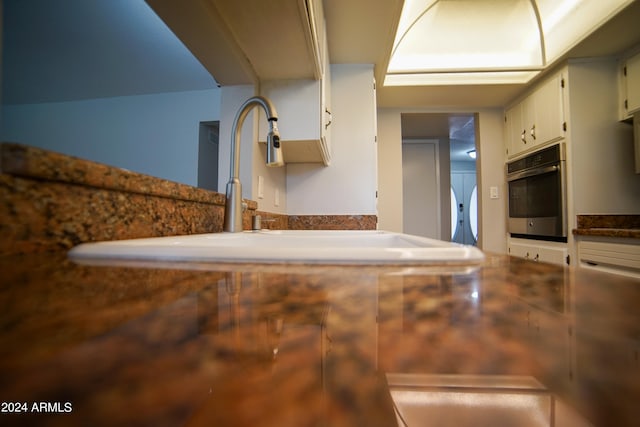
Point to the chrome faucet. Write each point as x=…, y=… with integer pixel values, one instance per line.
x=233, y=205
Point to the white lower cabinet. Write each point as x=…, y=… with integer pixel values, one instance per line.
x=610, y=256
x=539, y=251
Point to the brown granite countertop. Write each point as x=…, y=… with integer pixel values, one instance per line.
x=52, y=201
x=245, y=345
x=625, y=226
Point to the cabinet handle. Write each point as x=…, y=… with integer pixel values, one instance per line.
x=533, y=132
x=326, y=110
x=523, y=136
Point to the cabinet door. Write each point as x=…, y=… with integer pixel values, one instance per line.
x=552, y=255
x=539, y=253
x=522, y=251
x=325, y=105
x=516, y=129
x=619, y=258
x=633, y=84
x=549, y=125
x=529, y=120
x=520, y=122
x=537, y=119
x=298, y=105
x=512, y=130
x=304, y=105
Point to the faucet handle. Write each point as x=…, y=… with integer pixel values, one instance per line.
x=256, y=222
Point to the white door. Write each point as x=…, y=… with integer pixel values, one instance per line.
x=465, y=209
x=420, y=187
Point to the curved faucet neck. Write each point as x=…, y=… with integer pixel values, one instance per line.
x=233, y=205
x=244, y=110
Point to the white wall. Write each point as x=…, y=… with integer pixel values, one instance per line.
x=389, y=171
x=603, y=177
x=420, y=187
x=348, y=185
x=490, y=165
x=274, y=195
x=492, y=213
x=150, y=134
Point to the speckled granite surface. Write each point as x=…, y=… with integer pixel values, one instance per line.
x=278, y=345
x=333, y=222
x=626, y=226
x=248, y=345
x=50, y=201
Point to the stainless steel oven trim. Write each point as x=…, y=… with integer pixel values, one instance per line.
x=561, y=145
x=531, y=172
x=563, y=192
x=527, y=226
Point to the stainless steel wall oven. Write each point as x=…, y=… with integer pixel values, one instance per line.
x=537, y=195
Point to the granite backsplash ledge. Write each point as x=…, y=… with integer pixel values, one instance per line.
x=608, y=226
x=333, y=222
x=51, y=201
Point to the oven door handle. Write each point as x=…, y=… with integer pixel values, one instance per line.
x=531, y=172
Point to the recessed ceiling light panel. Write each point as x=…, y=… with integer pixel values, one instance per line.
x=510, y=40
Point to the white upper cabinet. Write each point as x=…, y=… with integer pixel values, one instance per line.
x=631, y=85
x=550, y=117
x=249, y=41
x=280, y=47
x=521, y=122
x=304, y=104
x=537, y=119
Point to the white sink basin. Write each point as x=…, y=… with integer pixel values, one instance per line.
x=290, y=246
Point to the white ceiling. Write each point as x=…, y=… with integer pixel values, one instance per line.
x=367, y=40
x=458, y=128
x=363, y=31
x=63, y=50
x=56, y=50
x=449, y=42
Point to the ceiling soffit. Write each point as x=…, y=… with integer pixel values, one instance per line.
x=489, y=41
x=273, y=35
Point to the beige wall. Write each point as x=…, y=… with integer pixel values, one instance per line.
x=348, y=185
x=490, y=166
x=603, y=177
x=492, y=213
x=420, y=187
x=389, y=171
